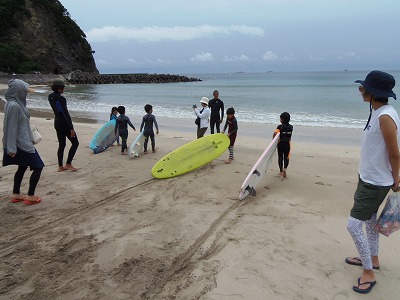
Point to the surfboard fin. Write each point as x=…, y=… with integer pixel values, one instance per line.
x=252, y=191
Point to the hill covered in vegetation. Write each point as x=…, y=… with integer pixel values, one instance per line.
x=40, y=36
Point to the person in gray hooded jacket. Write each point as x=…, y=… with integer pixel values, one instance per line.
x=17, y=142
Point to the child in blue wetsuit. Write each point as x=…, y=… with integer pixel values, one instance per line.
x=113, y=116
x=122, y=126
x=148, y=120
x=285, y=130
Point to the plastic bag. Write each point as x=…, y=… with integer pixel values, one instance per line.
x=36, y=136
x=389, y=220
x=197, y=121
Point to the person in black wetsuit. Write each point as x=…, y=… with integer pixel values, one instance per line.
x=285, y=130
x=232, y=125
x=216, y=105
x=122, y=126
x=147, y=123
x=63, y=125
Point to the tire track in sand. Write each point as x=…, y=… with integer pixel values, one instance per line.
x=186, y=256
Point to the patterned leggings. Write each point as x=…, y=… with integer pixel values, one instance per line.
x=367, y=245
x=230, y=152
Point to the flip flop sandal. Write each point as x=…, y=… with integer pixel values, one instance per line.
x=36, y=201
x=364, y=291
x=15, y=200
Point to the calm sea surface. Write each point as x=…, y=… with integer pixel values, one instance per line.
x=314, y=99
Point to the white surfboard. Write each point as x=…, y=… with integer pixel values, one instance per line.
x=259, y=169
x=137, y=145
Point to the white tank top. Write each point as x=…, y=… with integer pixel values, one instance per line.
x=374, y=165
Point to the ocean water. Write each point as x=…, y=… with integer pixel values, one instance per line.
x=314, y=99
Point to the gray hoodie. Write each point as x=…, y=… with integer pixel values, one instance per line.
x=16, y=129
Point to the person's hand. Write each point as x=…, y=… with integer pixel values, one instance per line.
x=12, y=154
x=157, y=131
x=73, y=133
x=395, y=186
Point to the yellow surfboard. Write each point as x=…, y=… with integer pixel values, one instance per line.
x=191, y=156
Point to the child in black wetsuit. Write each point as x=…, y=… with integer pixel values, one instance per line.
x=285, y=130
x=113, y=116
x=122, y=126
x=232, y=125
x=148, y=120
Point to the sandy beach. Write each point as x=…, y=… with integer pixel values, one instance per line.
x=112, y=231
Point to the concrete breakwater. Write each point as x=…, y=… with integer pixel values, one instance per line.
x=78, y=77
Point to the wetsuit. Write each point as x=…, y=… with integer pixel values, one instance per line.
x=122, y=126
x=232, y=130
x=284, y=145
x=63, y=125
x=216, y=105
x=147, y=122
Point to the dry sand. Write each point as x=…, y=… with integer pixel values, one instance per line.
x=111, y=231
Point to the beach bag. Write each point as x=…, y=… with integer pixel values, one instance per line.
x=36, y=136
x=389, y=220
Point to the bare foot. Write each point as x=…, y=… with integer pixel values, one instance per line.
x=280, y=173
x=62, y=168
x=145, y=152
x=17, y=198
x=228, y=161
x=29, y=200
x=70, y=167
x=284, y=173
x=154, y=151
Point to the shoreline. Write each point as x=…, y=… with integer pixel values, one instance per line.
x=328, y=135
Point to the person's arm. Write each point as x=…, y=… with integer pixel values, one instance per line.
x=389, y=132
x=222, y=111
x=142, y=125
x=11, y=135
x=225, y=126
x=155, y=123
x=130, y=124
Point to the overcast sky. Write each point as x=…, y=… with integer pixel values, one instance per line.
x=206, y=36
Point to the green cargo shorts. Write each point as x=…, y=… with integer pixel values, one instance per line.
x=367, y=199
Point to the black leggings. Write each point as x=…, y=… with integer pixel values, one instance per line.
x=33, y=181
x=61, y=136
x=152, y=138
x=217, y=124
x=283, y=155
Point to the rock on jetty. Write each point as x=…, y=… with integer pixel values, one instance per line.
x=79, y=77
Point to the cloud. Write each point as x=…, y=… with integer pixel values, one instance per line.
x=236, y=58
x=204, y=56
x=176, y=33
x=269, y=56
